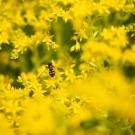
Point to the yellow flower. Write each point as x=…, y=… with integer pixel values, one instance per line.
x=5, y=128
x=116, y=4
x=129, y=56
x=85, y=9
x=115, y=36
x=31, y=83
x=5, y=30
x=4, y=37
x=81, y=115
x=94, y=49
x=37, y=117
x=107, y=90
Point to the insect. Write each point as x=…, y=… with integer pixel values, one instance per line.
x=51, y=69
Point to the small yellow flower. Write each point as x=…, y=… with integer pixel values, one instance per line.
x=5, y=128
x=37, y=117
x=115, y=36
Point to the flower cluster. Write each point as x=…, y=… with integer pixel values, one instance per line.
x=90, y=45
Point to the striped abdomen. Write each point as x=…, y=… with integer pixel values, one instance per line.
x=51, y=69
